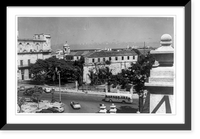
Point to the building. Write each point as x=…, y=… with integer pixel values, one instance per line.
x=29, y=50
x=118, y=60
x=58, y=54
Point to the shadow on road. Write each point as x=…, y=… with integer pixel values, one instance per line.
x=126, y=109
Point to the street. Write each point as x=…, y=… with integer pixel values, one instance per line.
x=89, y=102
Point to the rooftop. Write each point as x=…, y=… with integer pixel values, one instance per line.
x=80, y=53
x=112, y=53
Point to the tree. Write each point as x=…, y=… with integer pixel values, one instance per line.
x=78, y=70
x=92, y=76
x=45, y=70
x=139, y=73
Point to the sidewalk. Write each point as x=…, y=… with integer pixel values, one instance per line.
x=67, y=90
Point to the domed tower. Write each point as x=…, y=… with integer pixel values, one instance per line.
x=66, y=49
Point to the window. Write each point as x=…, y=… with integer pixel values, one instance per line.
x=122, y=58
x=98, y=59
x=22, y=71
x=110, y=58
x=133, y=57
x=116, y=58
x=104, y=59
x=29, y=74
x=128, y=57
x=21, y=62
x=29, y=62
x=93, y=60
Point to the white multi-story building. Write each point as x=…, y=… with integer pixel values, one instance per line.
x=29, y=50
x=118, y=60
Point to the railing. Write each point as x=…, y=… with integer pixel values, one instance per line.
x=24, y=66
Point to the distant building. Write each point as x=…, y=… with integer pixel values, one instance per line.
x=118, y=60
x=66, y=49
x=58, y=54
x=29, y=50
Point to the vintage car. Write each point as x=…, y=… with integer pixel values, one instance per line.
x=113, y=109
x=51, y=110
x=75, y=105
x=102, y=109
x=47, y=89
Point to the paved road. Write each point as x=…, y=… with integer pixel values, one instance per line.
x=90, y=103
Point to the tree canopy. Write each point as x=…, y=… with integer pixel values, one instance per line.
x=47, y=70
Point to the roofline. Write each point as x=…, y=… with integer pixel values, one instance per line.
x=34, y=40
x=129, y=54
x=110, y=56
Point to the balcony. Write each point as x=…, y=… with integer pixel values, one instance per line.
x=34, y=51
x=23, y=66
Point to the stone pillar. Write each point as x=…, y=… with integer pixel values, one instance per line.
x=161, y=80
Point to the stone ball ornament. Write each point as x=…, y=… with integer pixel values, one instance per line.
x=166, y=40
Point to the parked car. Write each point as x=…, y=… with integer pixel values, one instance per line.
x=75, y=105
x=47, y=89
x=44, y=111
x=113, y=109
x=102, y=109
x=56, y=109
x=21, y=88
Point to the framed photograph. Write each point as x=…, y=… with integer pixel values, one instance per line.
x=98, y=68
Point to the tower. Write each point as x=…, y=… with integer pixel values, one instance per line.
x=66, y=49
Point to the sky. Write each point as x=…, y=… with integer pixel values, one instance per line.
x=82, y=30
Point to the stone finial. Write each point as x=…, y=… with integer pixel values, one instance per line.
x=164, y=55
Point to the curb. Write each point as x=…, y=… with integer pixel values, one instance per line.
x=80, y=92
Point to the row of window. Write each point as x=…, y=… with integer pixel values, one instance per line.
x=37, y=44
x=72, y=58
x=31, y=50
x=117, y=97
x=110, y=58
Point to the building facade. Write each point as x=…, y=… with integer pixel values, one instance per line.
x=29, y=50
x=117, y=60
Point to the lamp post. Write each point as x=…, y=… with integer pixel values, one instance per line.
x=59, y=85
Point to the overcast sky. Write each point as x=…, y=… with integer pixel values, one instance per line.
x=77, y=30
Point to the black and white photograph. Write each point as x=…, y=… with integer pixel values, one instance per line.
x=96, y=64
x=98, y=68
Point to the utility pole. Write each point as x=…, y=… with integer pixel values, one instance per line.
x=59, y=85
x=58, y=72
